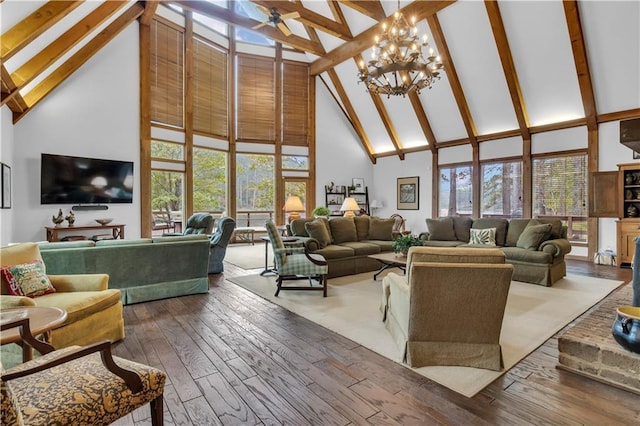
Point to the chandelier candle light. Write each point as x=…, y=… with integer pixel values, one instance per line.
x=397, y=66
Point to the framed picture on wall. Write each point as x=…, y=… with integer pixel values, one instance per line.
x=358, y=183
x=408, y=190
x=5, y=186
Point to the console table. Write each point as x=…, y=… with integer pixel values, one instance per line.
x=117, y=231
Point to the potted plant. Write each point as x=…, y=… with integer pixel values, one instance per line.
x=402, y=243
x=320, y=211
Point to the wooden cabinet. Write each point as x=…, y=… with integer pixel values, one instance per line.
x=362, y=197
x=603, y=199
x=628, y=226
x=334, y=198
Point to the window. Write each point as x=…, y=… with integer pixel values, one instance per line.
x=210, y=88
x=166, y=199
x=295, y=97
x=501, y=190
x=295, y=162
x=167, y=150
x=167, y=91
x=560, y=190
x=256, y=110
x=249, y=9
x=209, y=180
x=255, y=185
x=455, y=191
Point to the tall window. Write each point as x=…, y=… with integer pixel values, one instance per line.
x=167, y=59
x=256, y=111
x=560, y=190
x=209, y=180
x=455, y=191
x=501, y=190
x=254, y=188
x=210, y=89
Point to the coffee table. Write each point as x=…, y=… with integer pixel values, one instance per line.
x=41, y=321
x=389, y=260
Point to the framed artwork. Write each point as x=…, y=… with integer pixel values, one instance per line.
x=358, y=183
x=5, y=186
x=408, y=188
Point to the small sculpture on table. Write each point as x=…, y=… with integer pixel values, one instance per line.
x=57, y=220
x=71, y=218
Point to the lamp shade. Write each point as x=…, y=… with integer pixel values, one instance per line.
x=349, y=205
x=375, y=204
x=293, y=204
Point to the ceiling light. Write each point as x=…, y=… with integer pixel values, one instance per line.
x=397, y=66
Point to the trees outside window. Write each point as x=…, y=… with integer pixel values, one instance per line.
x=455, y=191
x=501, y=189
x=209, y=180
x=255, y=188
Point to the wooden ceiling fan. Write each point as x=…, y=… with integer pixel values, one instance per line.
x=276, y=19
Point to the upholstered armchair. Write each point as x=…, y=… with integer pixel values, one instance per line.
x=219, y=242
x=295, y=263
x=448, y=309
x=198, y=223
x=94, y=312
x=76, y=385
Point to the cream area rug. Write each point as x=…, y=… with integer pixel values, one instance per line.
x=247, y=256
x=533, y=314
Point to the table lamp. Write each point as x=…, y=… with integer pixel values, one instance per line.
x=375, y=204
x=349, y=206
x=293, y=206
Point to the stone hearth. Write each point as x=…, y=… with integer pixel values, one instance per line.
x=588, y=348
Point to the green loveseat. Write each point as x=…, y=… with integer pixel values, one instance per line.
x=142, y=269
x=535, y=247
x=346, y=242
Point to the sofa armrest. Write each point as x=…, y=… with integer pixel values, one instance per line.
x=311, y=244
x=557, y=248
x=424, y=236
x=398, y=299
x=80, y=282
x=7, y=301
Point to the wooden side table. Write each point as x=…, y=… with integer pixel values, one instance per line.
x=117, y=231
x=41, y=321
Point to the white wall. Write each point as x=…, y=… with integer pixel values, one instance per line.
x=6, y=157
x=94, y=113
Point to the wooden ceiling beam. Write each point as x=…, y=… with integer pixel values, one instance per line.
x=228, y=16
x=364, y=40
x=452, y=76
x=150, y=7
x=558, y=126
x=53, y=80
x=355, y=121
x=508, y=66
x=25, y=31
x=581, y=61
x=10, y=94
x=372, y=8
x=619, y=115
x=311, y=18
x=47, y=56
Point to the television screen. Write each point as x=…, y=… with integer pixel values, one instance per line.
x=78, y=180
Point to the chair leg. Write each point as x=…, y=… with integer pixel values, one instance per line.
x=157, y=414
x=279, y=286
x=324, y=286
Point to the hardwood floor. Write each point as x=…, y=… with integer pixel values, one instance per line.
x=234, y=358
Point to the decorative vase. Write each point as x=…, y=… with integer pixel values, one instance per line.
x=626, y=328
x=628, y=179
x=632, y=211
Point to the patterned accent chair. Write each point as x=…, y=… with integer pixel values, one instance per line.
x=219, y=242
x=295, y=263
x=198, y=223
x=76, y=385
x=398, y=225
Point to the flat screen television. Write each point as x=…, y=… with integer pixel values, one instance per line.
x=79, y=180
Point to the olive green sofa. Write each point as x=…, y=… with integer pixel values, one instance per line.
x=142, y=269
x=345, y=242
x=535, y=247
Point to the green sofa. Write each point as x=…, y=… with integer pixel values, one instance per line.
x=537, y=255
x=347, y=241
x=142, y=269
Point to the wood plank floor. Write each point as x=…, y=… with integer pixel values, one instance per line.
x=235, y=359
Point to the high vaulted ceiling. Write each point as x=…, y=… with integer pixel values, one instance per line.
x=512, y=68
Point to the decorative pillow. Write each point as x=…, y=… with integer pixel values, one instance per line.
x=485, y=237
x=318, y=230
x=343, y=230
x=381, y=229
x=27, y=279
x=533, y=236
x=441, y=229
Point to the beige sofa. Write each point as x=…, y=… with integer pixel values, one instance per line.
x=346, y=242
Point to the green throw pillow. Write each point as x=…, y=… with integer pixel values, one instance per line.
x=533, y=236
x=441, y=229
x=485, y=237
x=318, y=230
x=381, y=229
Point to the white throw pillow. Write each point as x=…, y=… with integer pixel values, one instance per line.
x=485, y=237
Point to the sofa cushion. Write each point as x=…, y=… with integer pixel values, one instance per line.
x=533, y=236
x=381, y=229
x=498, y=223
x=434, y=243
x=297, y=229
x=362, y=226
x=80, y=304
x=484, y=237
x=384, y=245
x=333, y=251
x=119, y=242
x=343, y=229
x=318, y=230
x=362, y=249
x=516, y=226
x=27, y=279
x=441, y=229
x=65, y=244
x=462, y=227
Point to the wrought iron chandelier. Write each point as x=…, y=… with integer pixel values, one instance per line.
x=397, y=66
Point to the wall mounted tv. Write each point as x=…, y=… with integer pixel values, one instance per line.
x=80, y=180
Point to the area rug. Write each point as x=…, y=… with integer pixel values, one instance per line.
x=247, y=256
x=533, y=314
